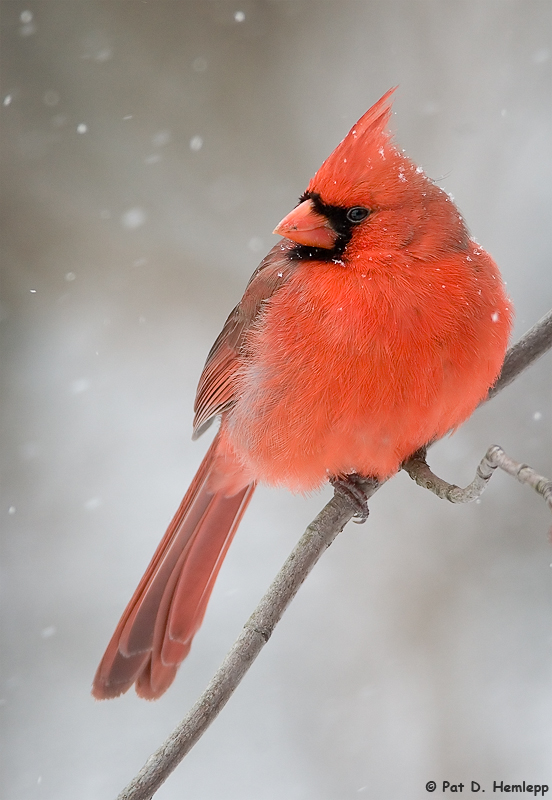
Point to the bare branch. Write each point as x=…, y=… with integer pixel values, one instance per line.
x=318, y=536
x=419, y=471
x=531, y=346
x=521, y=472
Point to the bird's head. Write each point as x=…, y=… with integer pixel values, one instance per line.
x=370, y=197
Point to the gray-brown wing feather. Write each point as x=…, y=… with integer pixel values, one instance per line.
x=216, y=391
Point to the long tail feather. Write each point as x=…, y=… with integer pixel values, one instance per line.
x=155, y=632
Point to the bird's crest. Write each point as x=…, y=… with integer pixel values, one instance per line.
x=364, y=147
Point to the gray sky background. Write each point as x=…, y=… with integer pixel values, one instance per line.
x=148, y=150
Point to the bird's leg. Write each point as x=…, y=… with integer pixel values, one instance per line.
x=355, y=488
x=419, y=455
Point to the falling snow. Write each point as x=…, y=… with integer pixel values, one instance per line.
x=161, y=138
x=80, y=385
x=541, y=56
x=28, y=27
x=93, y=503
x=133, y=218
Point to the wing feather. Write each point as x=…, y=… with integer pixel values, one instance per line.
x=216, y=391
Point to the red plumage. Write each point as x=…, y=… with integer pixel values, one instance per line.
x=374, y=327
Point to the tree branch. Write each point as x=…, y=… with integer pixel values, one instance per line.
x=418, y=469
x=318, y=536
x=531, y=346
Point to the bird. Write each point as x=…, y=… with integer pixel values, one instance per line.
x=373, y=327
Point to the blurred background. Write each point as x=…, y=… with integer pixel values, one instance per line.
x=148, y=150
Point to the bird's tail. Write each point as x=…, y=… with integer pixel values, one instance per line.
x=155, y=633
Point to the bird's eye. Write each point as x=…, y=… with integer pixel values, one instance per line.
x=357, y=214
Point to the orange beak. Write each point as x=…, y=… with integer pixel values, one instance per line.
x=305, y=226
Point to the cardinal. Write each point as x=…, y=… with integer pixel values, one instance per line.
x=373, y=327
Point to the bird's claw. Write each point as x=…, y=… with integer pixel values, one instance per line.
x=350, y=486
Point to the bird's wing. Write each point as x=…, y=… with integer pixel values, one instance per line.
x=216, y=388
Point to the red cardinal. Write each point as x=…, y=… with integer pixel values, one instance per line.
x=374, y=327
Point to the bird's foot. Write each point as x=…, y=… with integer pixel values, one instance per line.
x=353, y=488
x=418, y=455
